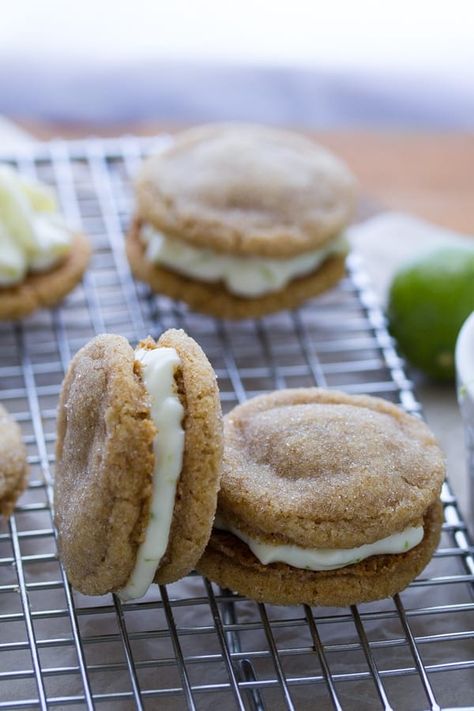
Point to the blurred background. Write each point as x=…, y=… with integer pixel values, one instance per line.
x=106, y=63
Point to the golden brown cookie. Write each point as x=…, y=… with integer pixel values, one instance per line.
x=323, y=470
x=105, y=462
x=246, y=189
x=215, y=300
x=43, y=289
x=272, y=204
x=13, y=464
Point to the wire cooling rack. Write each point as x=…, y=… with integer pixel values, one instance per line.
x=192, y=645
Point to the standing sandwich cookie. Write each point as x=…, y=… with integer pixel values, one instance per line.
x=13, y=464
x=240, y=220
x=139, y=454
x=326, y=499
x=41, y=258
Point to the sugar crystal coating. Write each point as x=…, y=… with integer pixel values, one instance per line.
x=323, y=469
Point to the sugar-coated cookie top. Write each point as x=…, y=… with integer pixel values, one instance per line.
x=246, y=189
x=323, y=469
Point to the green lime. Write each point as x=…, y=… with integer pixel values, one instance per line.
x=428, y=302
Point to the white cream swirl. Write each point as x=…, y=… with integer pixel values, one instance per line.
x=246, y=277
x=33, y=236
x=158, y=369
x=325, y=558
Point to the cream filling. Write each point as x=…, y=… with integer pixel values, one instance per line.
x=243, y=276
x=33, y=236
x=167, y=412
x=325, y=558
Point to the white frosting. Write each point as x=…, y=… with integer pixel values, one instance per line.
x=243, y=276
x=158, y=368
x=33, y=236
x=325, y=558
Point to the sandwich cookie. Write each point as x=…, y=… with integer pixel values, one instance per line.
x=13, y=463
x=326, y=499
x=240, y=220
x=41, y=258
x=138, y=463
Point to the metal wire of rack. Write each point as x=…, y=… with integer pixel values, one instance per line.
x=192, y=645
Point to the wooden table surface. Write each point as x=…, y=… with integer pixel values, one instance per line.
x=427, y=174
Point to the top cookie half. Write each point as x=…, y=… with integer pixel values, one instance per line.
x=247, y=190
x=343, y=470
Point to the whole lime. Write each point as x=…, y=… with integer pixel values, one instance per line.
x=429, y=299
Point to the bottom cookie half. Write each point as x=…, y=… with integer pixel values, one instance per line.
x=44, y=289
x=215, y=300
x=230, y=563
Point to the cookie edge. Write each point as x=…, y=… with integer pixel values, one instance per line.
x=199, y=481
